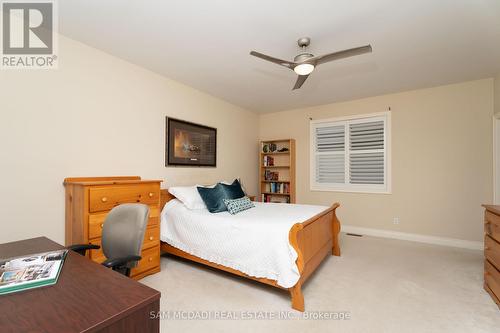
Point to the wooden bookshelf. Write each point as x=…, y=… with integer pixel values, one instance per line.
x=277, y=171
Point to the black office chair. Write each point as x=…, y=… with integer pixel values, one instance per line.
x=122, y=237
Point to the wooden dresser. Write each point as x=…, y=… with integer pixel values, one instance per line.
x=492, y=251
x=88, y=201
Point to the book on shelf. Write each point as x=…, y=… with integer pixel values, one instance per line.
x=271, y=175
x=275, y=199
x=30, y=271
x=268, y=161
x=277, y=187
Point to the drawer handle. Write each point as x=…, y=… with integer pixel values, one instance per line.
x=151, y=238
x=151, y=194
x=150, y=259
x=104, y=199
x=102, y=225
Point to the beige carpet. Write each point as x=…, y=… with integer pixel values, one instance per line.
x=385, y=286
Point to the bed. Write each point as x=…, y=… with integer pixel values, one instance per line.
x=310, y=240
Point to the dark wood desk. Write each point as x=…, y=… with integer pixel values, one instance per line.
x=87, y=298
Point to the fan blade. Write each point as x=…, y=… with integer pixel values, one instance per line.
x=287, y=64
x=300, y=81
x=341, y=54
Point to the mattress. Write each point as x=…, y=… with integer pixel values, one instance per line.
x=254, y=241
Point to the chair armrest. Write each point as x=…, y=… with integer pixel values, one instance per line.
x=120, y=262
x=82, y=248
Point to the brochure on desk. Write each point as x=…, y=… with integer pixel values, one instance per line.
x=30, y=271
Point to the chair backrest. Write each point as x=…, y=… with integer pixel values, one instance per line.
x=123, y=231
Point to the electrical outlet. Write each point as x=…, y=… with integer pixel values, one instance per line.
x=395, y=220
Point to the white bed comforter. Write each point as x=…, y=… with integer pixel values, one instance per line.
x=254, y=242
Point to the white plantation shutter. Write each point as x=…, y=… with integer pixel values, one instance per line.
x=366, y=168
x=366, y=155
x=330, y=169
x=350, y=154
x=330, y=157
x=330, y=138
x=366, y=135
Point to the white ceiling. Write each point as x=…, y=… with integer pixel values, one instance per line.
x=205, y=44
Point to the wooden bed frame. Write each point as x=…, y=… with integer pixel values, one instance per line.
x=313, y=240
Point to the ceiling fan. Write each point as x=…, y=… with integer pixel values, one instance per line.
x=304, y=63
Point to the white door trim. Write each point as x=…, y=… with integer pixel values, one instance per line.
x=496, y=159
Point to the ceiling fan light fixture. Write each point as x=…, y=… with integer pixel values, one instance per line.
x=304, y=69
x=304, y=63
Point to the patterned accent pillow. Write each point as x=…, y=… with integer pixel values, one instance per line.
x=234, y=206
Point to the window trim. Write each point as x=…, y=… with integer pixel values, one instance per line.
x=353, y=188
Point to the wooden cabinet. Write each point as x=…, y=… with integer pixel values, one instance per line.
x=88, y=201
x=492, y=251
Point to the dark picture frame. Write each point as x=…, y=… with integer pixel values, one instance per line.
x=190, y=144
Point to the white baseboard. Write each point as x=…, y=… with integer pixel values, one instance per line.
x=414, y=237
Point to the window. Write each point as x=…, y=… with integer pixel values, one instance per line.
x=351, y=154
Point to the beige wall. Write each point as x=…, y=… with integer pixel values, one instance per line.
x=99, y=115
x=441, y=159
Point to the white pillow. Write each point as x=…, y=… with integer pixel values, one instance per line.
x=189, y=196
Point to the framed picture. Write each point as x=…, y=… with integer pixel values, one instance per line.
x=190, y=144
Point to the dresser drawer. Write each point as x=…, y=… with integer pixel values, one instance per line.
x=492, y=251
x=154, y=211
x=97, y=255
x=153, y=221
x=492, y=225
x=154, y=216
x=105, y=198
x=492, y=278
x=150, y=259
x=151, y=237
x=96, y=222
x=154, y=233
